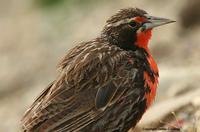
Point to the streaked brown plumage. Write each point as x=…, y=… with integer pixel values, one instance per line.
x=101, y=86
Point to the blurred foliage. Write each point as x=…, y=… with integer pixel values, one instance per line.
x=54, y=3
x=48, y=3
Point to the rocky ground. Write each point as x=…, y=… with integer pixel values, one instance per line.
x=34, y=35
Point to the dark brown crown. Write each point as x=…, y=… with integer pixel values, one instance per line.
x=126, y=13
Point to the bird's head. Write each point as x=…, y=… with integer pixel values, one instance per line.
x=130, y=28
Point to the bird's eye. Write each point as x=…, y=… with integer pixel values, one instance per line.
x=133, y=24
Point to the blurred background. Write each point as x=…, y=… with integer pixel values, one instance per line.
x=36, y=34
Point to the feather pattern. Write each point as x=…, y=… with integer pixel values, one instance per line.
x=70, y=100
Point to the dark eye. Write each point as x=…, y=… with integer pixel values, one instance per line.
x=133, y=24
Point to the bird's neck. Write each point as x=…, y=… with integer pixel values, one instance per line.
x=142, y=42
x=130, y=41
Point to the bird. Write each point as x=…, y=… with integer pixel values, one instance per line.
x=105, y=84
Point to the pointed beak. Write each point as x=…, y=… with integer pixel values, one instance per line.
x=153, y=22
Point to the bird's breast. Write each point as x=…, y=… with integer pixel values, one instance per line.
x=149, y=73
x=151, y=80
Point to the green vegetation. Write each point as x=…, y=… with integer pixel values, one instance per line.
x=54, y=3
x=48, y=3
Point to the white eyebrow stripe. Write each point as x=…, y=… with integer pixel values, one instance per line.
x=119, y=22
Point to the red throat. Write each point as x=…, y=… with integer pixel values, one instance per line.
x=142, y=42
x=143, y=39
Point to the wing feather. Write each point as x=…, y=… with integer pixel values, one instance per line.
x=104, y=95
x=74, y=99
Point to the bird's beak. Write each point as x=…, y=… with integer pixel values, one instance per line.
x=153, y=22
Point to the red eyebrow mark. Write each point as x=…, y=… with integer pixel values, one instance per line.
x=139, y=19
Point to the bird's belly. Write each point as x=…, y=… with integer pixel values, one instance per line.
x=150, y=88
